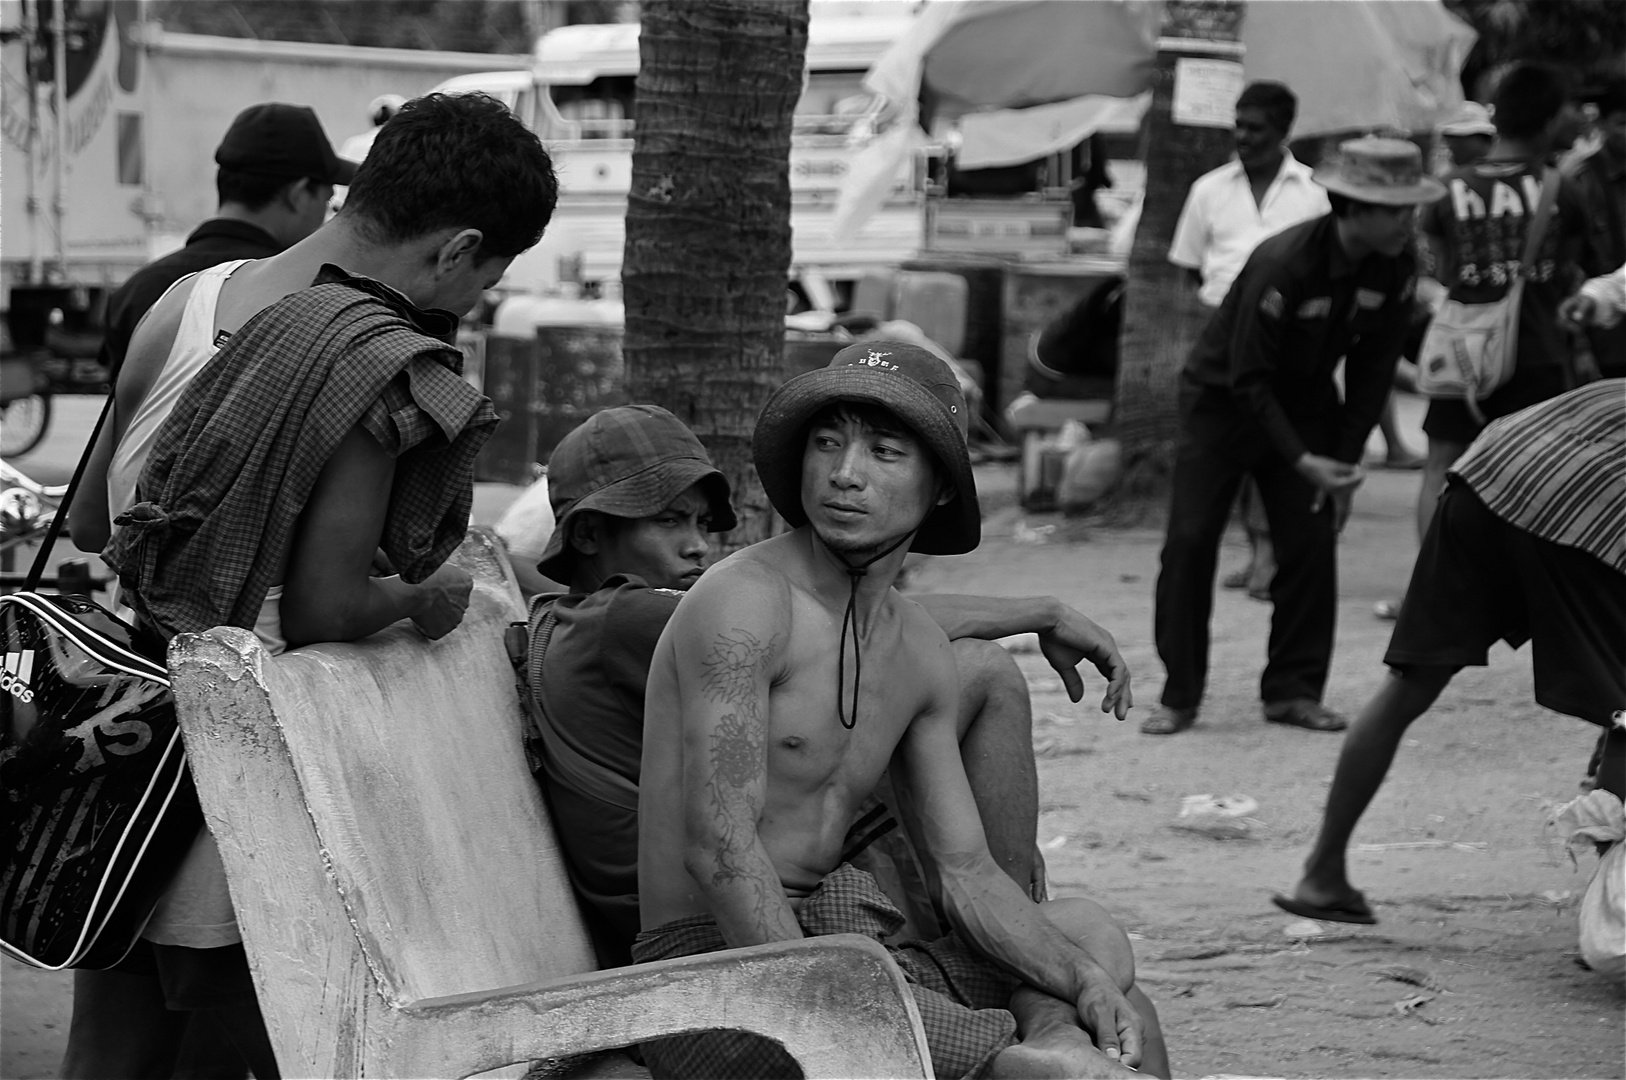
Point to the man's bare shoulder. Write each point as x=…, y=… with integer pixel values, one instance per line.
x=921, y=635
x=155, y=334
x=767, y=570
x=750, y=586
x=151, y=344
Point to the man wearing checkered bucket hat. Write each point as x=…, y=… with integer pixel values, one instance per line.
x=636, y=496
x=785, y=681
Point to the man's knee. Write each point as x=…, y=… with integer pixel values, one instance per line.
x=988, y=673
x=1087, y=925
x=1442, y=454
x=1189, y=535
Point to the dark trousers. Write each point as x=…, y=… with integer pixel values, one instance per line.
x=1219, y=445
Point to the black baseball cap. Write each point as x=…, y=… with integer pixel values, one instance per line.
x=274, y=139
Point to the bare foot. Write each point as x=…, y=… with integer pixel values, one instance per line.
x=1031, y=1061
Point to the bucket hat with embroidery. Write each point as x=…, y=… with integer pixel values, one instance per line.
x=917, y=387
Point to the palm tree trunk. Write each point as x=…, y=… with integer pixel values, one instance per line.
x=708, y=223
x=1162, y=316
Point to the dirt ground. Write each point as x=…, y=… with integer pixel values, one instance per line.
x=1471, y=970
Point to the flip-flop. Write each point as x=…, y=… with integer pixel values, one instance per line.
x=1352, y=909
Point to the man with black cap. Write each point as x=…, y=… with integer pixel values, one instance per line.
x=1257, y=398
x=276, y=174
x=635, y=496
x=792, y=679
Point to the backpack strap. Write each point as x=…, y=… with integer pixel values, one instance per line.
x=60, y=519
x=1550, y=181
x=545, y=750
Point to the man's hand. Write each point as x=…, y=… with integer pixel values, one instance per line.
x=1342, y=502
x=1586, y=367
x=1579, y=312
x=1332, y=478
x=1074, y=638
x=1108, y=1016
x=443, y=598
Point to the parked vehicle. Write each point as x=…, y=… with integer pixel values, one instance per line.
x=112, y=164
x=75, y=203
x=578, y=97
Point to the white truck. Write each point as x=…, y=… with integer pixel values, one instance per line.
x=74, y=202
x=578, y=97
x=112, y=165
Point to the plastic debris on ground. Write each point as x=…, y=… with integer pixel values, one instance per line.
x=1223, y=818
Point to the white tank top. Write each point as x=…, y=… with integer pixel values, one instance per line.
x=194, y=346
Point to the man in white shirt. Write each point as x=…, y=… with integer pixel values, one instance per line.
x=1261, y=191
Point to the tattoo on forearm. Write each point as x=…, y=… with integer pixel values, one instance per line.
x=737, y=752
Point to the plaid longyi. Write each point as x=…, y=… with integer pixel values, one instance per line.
x=962, y=997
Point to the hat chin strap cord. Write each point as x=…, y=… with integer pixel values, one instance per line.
x=850, y=618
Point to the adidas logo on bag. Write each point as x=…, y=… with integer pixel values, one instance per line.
x=19, y=668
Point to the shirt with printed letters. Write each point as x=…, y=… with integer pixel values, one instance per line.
x=1477, y=235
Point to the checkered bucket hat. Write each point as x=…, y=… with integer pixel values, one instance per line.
x=630, y=461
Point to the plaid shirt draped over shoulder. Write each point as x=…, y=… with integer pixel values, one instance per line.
x=234, y=464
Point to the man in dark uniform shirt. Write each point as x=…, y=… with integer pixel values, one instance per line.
x=277, y=172
x=1257, y=398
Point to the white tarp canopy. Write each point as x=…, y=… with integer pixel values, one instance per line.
x=1354, y=64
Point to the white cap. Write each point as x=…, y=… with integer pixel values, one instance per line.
x=383, y=107
x=1471, y=119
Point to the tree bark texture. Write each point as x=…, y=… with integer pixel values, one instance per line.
x=708, y=223
x=1162, y=316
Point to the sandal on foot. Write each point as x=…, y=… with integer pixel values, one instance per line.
x=1304, y=713
x=1351, y=909
x=1168, y=721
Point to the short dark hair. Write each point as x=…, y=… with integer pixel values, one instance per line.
x=251, y=190
x=1279, y=104
x=1527, y=97
x=461, y=161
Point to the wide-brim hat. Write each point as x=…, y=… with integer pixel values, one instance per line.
x=917, y=387
x=1387, y=172
x=631, y=461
